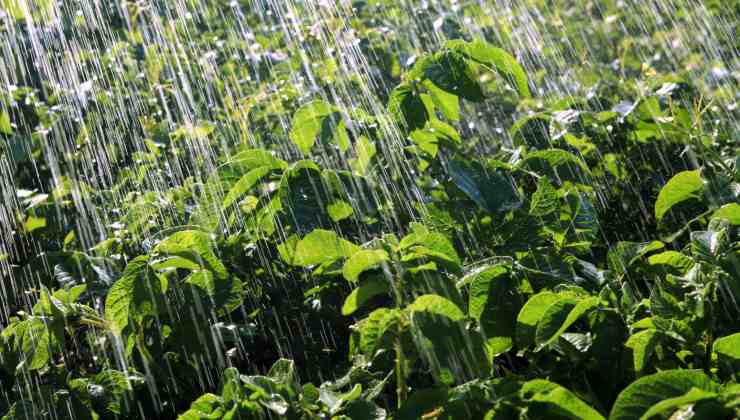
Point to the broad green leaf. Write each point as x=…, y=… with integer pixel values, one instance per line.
x=244, y=185
x=670, y=405
x=317, y=119
x=728, y=348
x=530, y=315
x=488, y=188
x=454, y=353
x=560, y=316
x=497, y=60
x=206, y=407
x=673, y=259
x=283, y=372
x=406, y=104
x=436, y=305
x=554, y=400
x=421, y=402
x=447, y=102
x=362, y=261
x=544, y=200
x=495, y=303
x=373, y=328
x=195, y=246
x=367, y=290
x=557, y=164
x=339, y=210
x=364, y=410
x=422, y=243
x=730, y=212
x=322, y=246
x=641, y=395
x=643, y=344
x=449, y=70
x=133, y=296
x=683, y=186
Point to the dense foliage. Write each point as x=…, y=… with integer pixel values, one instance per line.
x=482, y=245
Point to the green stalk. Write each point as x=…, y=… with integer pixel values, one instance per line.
x=400, y=374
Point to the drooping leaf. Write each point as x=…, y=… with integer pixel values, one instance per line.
x=544, y=200
x=560, y=316
x=548, y=398
x=497, y=60
x=362, y=261
x=730, y=212
x=406, y=104
x=683, y=186
x=322, y=246
x=491, y=190
x=195, y=246
x=643, y=344
x=374, y=327
x=133, y=296
x=317, y=119
x=245, y=183
x=367, y=290
x=495, y=303
x=530, y=315
x=641, y=395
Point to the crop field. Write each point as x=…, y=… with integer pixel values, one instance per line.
x=369, y=209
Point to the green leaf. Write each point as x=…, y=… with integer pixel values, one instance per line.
x=133, y=296
x=373, y=328
x=551, y=399
x=365, y=150
x=194, y=246
x=422, y=243
x=449, y=70
x=437, y=305
x=447, y=102
x=673, y=259
x=730, y=212
x=245, y=183
x=361, y=261
x=364, y=410
x=670, y=405
x=454, y=354
x=530, y=315
x=5, y=127
x=683, y=186
x=557, y=164
x=560, y=316
x=641, y=395
x=367, y=290
x=544, y=200
x=622, y=255
x=317, y=119
x=488, y=188
x=339, y=210
x=643, y=344
x=322, y=246
x=495, y=302
x=406, y=104
x=497, y=60
x=728, y=347
x=206, y=407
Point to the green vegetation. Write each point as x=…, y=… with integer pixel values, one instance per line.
x=434, y=233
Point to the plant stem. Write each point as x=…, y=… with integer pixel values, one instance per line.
x=400, y=374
